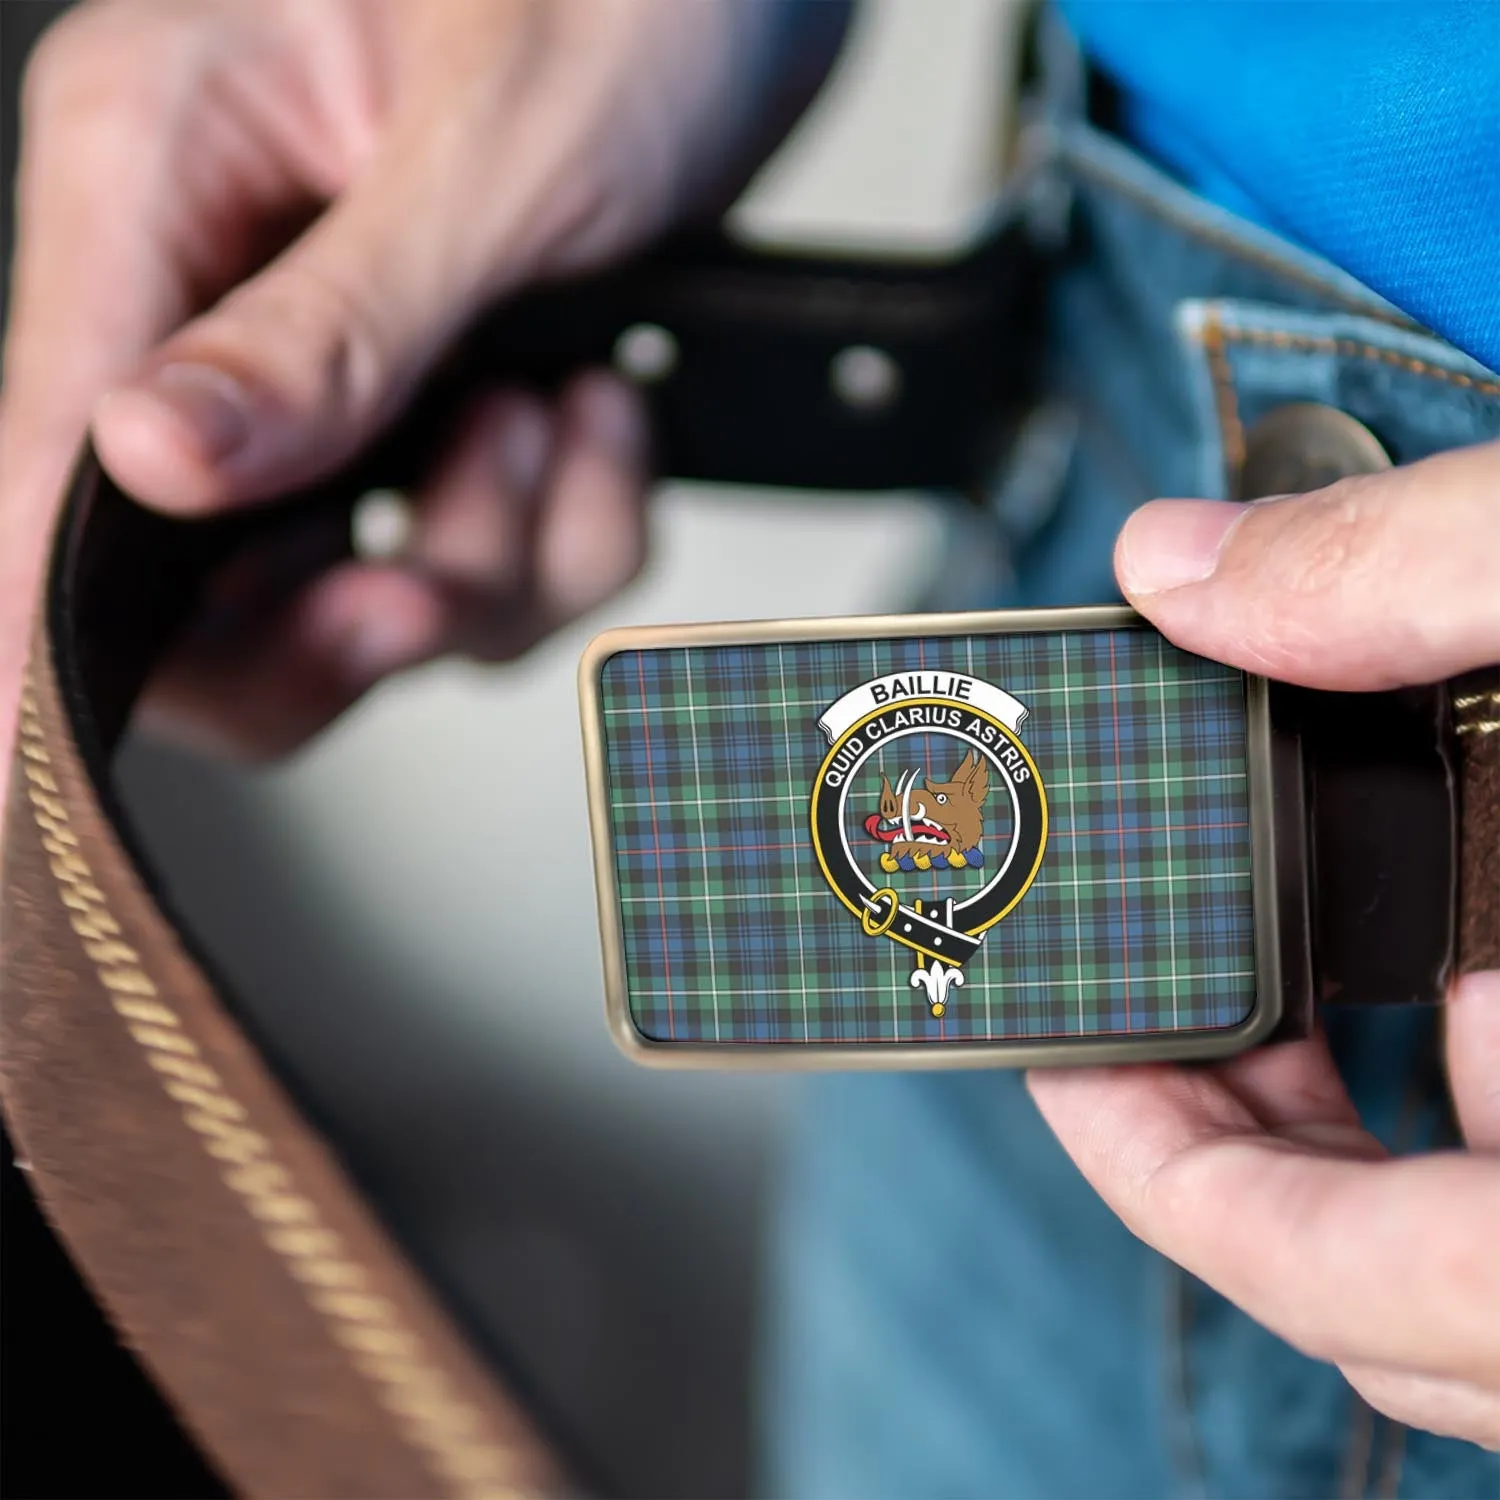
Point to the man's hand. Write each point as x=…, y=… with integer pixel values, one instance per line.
x=248, y=227
x=1256, y=1175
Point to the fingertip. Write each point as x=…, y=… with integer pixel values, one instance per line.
x=1480, y=992
x=1071, y=1098
x=1040, y=1083
x=1169, y=544
x=523, y=439
x=366, y=622
x=167, y=437
x=476, y=512
x=1473, y=1042
x=608, y=414
x=593, y=538
x=1068, y=1099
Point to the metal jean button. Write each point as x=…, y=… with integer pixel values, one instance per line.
x=1304, y=446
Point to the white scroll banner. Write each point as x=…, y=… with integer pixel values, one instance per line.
x=897, y=688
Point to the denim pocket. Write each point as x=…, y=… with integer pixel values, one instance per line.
x=1417, y=394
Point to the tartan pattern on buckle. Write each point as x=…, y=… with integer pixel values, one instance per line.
x=1140, y=918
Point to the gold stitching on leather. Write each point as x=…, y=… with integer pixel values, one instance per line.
x=1474, y=724
x=1353, y=349
x=447, y=1431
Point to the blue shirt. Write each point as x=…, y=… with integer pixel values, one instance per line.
x=1368, y=132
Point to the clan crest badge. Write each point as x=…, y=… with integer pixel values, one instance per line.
x=935, y=858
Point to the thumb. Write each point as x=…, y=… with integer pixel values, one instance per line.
x=292, y=371
x=1378, y=581
x=1473, y=1038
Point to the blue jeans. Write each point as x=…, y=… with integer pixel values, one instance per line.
x=954, y=1313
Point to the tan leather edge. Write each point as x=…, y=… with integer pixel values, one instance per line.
x=222, y=1237
x=1476, y=733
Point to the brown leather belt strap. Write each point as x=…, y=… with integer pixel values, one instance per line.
x=1476, y=729
x=222, y=1234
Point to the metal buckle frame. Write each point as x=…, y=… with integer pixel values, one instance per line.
x=1283, y=959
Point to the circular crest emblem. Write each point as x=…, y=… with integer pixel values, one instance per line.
x=935, y=857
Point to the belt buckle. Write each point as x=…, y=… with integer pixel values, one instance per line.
x=1009, y=838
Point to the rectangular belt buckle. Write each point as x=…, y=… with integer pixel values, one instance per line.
x=1015, y=838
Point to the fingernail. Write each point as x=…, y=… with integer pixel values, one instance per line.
x=525, y=443
x=611, y=417
x=1170, y=543
x=211, y=405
